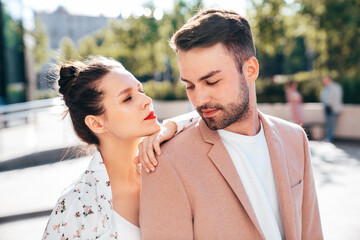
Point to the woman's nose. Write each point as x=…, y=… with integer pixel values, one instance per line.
x=147, y=101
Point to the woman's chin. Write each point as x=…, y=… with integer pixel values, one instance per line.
x=150, y=128
x=154, y=129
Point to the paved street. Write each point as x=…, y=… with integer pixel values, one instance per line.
x=337, y=175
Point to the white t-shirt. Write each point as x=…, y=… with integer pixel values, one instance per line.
x=126, y=230
x=251, y=158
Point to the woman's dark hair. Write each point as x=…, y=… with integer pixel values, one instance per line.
x=212, y=26
x=78, y=84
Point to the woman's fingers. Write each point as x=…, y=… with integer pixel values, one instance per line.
x=151, y=145
x=136, y=160
x=146, y=155
x=144, y=160
x=151, y=156
x=145, y=163
x=156, y=145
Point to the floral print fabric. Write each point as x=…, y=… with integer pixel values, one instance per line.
x=85, y=209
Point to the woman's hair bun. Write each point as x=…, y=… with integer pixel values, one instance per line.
x=68, y=75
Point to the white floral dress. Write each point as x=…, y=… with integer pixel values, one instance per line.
x=85, y=209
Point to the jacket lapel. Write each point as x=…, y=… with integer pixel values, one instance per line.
x=222, y=160
x=278, y=162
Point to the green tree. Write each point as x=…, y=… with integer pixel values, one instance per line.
x=337, y=35
x=41, y=46
x=280, y=46
x=140, y=43
x=68, y=50
x=334, y=35
x=88, y=46
x=171, y=22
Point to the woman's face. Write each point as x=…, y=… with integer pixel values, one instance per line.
x=128, y=111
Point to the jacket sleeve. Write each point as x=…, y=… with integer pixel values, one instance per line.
x=311, y=225
x=165, y=211
x=184, y=121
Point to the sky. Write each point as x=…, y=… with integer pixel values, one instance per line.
x=113, y=8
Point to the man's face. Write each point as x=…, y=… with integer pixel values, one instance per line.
x=326, y=81
x=214, y=85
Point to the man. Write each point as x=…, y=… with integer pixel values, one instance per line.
x=235, y=173
x=331, y=97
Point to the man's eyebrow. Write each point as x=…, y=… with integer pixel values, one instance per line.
x=184, y=80
x=208, y=75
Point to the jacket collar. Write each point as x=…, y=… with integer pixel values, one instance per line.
x=222, y=160
x=276, y=148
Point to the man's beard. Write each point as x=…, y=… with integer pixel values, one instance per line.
x=231, y=113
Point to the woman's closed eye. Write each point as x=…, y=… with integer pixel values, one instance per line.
x=130, y=97
x=127, y=99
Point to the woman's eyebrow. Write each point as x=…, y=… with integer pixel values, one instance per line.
x=126, y=90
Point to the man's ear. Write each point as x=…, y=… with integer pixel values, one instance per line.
x=251, y=69
x=95, y=123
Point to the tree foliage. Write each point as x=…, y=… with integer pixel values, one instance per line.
x=280, y=45
x=41, y=40
x=140, y=43
x=321, y=36
x=336, y=34
x=68, y=50
x=309, y=38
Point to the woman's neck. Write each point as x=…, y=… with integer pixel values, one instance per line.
x=118, y=158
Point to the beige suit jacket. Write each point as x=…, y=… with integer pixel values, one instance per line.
x=196, y=192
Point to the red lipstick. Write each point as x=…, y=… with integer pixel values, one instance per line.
x=151, y=116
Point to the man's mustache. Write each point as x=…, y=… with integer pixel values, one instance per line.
x=209, y=106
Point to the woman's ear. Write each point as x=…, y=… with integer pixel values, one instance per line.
x=251, y=69
x=95, y=123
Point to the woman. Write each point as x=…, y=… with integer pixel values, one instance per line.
x=109, y=110
x=295, y=99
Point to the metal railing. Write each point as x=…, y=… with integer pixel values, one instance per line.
x=24, y=111
x=33, y=127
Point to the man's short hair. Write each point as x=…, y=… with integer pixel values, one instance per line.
x=212, y=26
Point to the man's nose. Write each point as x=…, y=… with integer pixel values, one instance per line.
x=201, y=97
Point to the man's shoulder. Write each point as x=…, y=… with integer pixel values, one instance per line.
x=293, y=140
x=283, y=126
x=184, y=140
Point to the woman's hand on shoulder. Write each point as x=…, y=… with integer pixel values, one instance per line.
x=150, y=146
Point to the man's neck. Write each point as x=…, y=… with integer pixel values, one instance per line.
x=249, y=126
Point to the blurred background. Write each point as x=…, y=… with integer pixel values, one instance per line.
x=297, y=41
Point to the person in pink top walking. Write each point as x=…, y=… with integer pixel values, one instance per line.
x=294, y=98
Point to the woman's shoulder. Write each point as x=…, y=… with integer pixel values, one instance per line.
x=83, y=209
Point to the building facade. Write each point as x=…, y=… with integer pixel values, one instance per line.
x=60, y=24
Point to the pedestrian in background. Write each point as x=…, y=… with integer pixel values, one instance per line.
x=332, y=98
x=294, y=98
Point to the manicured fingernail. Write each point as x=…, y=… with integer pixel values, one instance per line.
x=155, y=163
x=147, y=170
x=152, y=169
